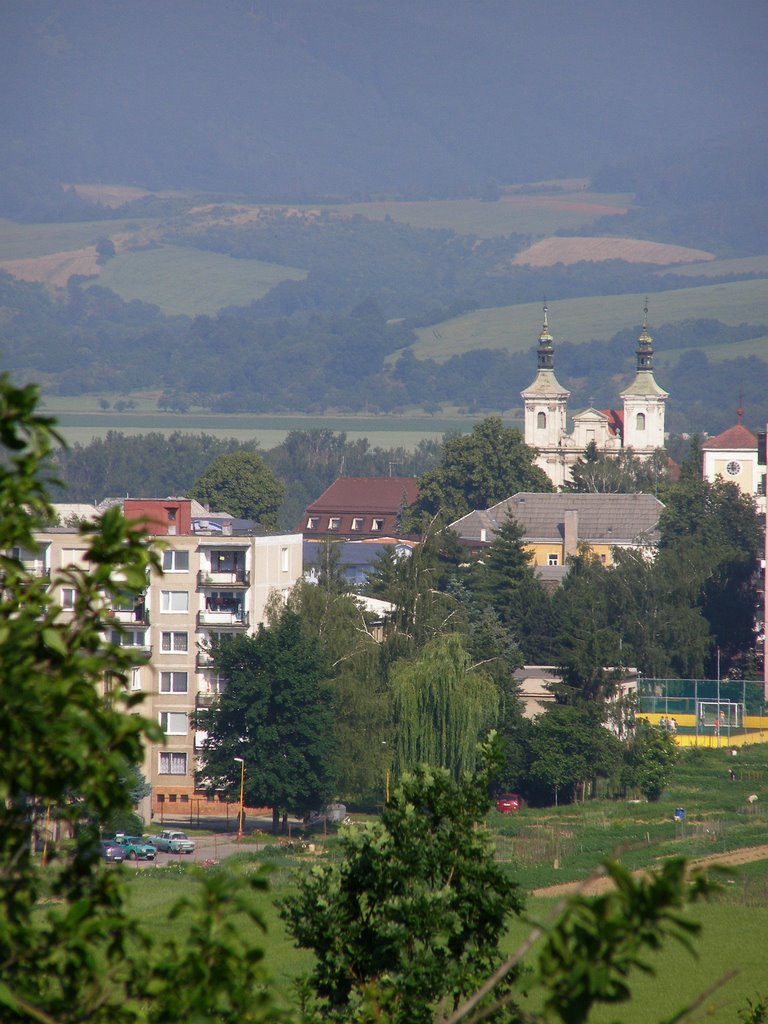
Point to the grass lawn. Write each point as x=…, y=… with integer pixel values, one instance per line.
x=182, y=280
x=597, y=318
x=734, y=924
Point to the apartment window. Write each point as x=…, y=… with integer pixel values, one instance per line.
x=377, y=524
x=640, y=422
x=334, y=522
x=357, y=523
x=175, y=561
x=174, y=601
x=541, y=420
x=173, y=682
x=313, y=522
x=284, y=559
x=173, y=723
x=217, y=683
x=171, y=641
x=552, y=559
x=129, y=638
x=68, y=597
x=173, y=763
x=135, y=678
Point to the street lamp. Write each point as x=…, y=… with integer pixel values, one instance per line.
x=242, y=790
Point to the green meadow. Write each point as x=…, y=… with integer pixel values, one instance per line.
x=598, y=318
x=542, y=847
x=192, y=282
x=23, y=241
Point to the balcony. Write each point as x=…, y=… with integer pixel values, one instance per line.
x=236, y=618
x=208, y=579
x=203, y=701
x=203, y=660
x=138, y=615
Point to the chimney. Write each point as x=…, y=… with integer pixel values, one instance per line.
x=570, y=532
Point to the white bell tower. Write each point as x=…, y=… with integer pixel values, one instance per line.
x=644, y=401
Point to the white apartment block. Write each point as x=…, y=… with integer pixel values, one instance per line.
x=217, y=579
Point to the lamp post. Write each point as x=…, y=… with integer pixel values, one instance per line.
x=242, y=791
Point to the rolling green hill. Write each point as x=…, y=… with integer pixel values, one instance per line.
x=188, y=281
x=516, y=328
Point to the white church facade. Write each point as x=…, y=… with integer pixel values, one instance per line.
x=639, y=425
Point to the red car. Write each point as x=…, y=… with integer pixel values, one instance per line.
x=508, y=803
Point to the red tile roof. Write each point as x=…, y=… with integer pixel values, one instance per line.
x=734, y=437
x=615, y=420
x=361, y=504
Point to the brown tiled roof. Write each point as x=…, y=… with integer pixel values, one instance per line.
x=735, y=437
x=357, y=501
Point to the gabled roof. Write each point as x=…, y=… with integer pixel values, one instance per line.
x=602, y=518
x=366, y=494
x=736, y=437
x=360, y=505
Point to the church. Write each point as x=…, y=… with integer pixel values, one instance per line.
x=639, y=425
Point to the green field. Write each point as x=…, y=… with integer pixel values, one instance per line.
x=79, y=420
x=181, y=280
x=516, y=328
x=515, y=213
x=734, y=923
x=23, y=241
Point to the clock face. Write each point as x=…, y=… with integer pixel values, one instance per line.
x=734, y=468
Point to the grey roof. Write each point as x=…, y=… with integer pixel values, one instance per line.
x=602, y=518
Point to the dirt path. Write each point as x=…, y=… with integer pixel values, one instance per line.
x=595, y=886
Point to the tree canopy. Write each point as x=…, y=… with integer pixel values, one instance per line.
x=242, y=484
x=478, y=470
x=275, y=714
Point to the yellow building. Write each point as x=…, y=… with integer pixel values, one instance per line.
x=554, y=525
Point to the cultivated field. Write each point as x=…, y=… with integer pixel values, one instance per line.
x=80, y=420
x=516, y=328
x=181, y=280
x=550, y=251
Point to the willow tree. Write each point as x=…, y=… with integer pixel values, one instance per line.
x=441, y=706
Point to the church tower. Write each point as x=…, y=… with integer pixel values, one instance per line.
x=546, y=407
x=644, y=401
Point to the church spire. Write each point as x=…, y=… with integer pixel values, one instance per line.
x=645, y=344
x=546, y=349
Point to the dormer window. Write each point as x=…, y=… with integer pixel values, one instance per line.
x=313, y=522
x=357, y=523
x=334, y=522
x=377, y=524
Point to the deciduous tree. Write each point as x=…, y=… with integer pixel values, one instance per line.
x=243, y=485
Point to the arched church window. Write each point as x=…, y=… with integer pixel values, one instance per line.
x=541, y=421
x=640, y=424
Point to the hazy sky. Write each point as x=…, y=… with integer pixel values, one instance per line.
x=324, y=94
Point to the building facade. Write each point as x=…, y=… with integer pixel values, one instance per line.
x=216, y=579
x=639, y=425
x=733, y=456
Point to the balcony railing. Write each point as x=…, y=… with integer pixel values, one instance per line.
x=234, y=578
x=221, y=619
x=203, y=659
x=137, y=616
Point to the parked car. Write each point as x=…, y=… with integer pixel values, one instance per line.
x=508, y=803
x=112, y=851
x=135, y=848
x=172, y=841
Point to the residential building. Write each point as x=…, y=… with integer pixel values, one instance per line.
x=218, y=575
x=554, y=525
x=354, y=507
x=357, y=558
x=639, y=425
